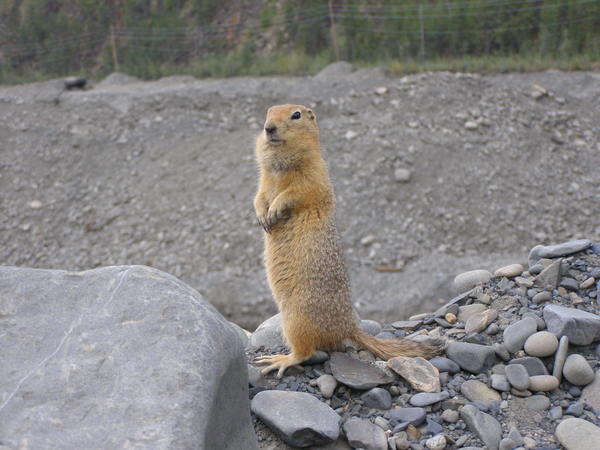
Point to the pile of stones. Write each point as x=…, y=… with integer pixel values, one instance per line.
x=520, y=370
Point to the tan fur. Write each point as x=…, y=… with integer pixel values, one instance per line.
x=303, y=258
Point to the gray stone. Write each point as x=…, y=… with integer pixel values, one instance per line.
x=510, y=271
x=515, y=436
x=382, y=423
x=444, y=364
x=538, y=319
x=575, y=409
x=486, y=427
x=517, y=376
x=534, y=365
x=474, y=358
x=581, y=327
x=569, y=284
x=548, y=278
x=541, y=297
x=377, y=398
x=560, y=357
x=437, y=442
x=537, y=403
x=371, y=327
x=450, y=416
x=577, y=370
x=507, y=444
x=476, y=391
x=500, y=382
x=409, y=325
x=479, y=322
x=578, y=434
x=428, y=398
x=501, y=351
x=297, y=417
x=554, y=251
x=466, y=311
x=543, y=383
x=268, y=335
x=327, y=384
x=555, y=412
x=414, y=416
x=117, y=356
x=591, y=393
x=467, y=280
x=542, y=344
x=517, y=333
x=357, y=374
x=362, y=433
x=418, y=372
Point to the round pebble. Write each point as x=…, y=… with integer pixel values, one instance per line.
x=543, y=383
x=450, y=416
x=577, y=370
x=467, y=280
x=436, y=442
x=510, y=271
x=542, y=343
x=517, y=376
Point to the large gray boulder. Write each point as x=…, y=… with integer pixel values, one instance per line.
x=117, y=357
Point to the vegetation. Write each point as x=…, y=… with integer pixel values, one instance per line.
x=153, y=38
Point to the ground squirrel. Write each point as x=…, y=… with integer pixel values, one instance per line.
x=304, y=263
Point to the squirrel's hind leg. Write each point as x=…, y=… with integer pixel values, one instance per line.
x=282, y=362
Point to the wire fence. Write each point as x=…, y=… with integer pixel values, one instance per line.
x=348, y=30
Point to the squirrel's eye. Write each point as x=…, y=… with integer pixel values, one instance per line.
x=296, y=115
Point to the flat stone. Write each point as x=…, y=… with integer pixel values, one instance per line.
x=408, y=325
x=577, y=370
x=444, y=364
x=327, y=384
x=517, y=376
x=510, y=271
x=361, y=433
x=299, y=418
x=467, y=280
x=418, y=372
x=578, y=434
x=581, y=327
x=534, y=365
x=591, y=393
x=541, y=344
x=357, y=374
x=560, y=357
x=486, y=427
x=476, y=391
x=554, y=251
x=377, y=398
x=474, y=358
x=414, y=416
x=466, y=311
x=118, y=357
x=537, y=403
x=517, y=333
x=428, y=398
x=549, y=277
x=479, y=322
x=500, y=382
x=543, y=383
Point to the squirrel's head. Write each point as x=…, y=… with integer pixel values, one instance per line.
x=290, y=127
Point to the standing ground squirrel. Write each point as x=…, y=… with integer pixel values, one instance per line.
x=303, y=257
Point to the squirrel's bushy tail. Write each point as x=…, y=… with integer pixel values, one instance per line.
x=388, y=348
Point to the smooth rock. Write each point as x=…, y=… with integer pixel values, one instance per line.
x=474, y=358
x=377, y=398
x=577, y=370
x=437, y=442
x=268, y=335
x=444, y=364
x=578, y=434
x=537, y=403
x=361, y=433
x=428, y=398
x=517, y=376
x=118, y=357
x=543, y=383
x=414, y=416
x=575, y=409
x=402, y=175
x=467, y=280
x=541, y=297
x=450, y=416
x=591, y=393
x=581, y=327
x=418, y=372
x=507, y=444
x=549, y=277
x=555, y=412
x=357, y=374
x=517, y=333
x=479, y=322
x=486, y=427
x=371, y=327
x=534, y=365
x=409, y=325
x=560, y=357
x=541, y=344
x=510, y=271
x=501, y=351
x=569, y=284
x=500, y=382
x=538, y=319
x=299, y=418
x=327, y=384
x=466, y=311
x=554, y=251
x=476, y=391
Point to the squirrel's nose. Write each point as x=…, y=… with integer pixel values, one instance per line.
x=270, y=128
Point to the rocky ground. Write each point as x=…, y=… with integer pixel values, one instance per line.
x=435, y=174
x=521, y=369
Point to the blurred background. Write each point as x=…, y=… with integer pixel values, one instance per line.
x=459, y=134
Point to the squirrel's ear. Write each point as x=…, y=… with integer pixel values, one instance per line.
x=311, y=114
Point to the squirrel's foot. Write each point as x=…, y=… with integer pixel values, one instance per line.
x=280, y=362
